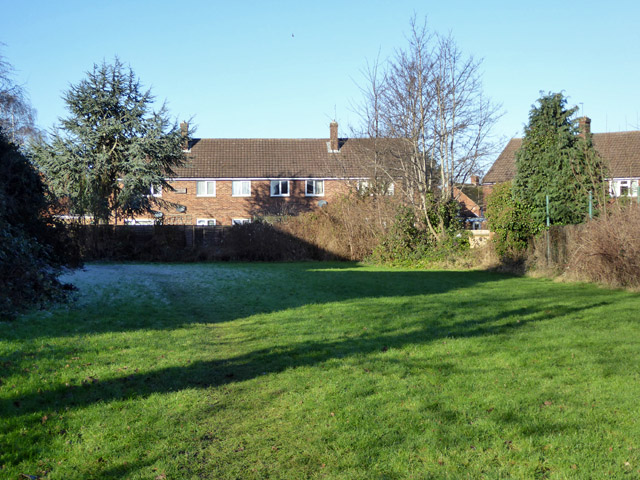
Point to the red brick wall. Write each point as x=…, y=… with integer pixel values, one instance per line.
x=224, y=207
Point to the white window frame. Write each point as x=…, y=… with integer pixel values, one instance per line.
x=156, y=191
x=138, y=221
x=617, y=184
x=240, y=221
x=205, y=188
x=363, y=186
x=238, y=186
x=391, y=189
x=314, y=184
x=277, y=184
x=204, y=222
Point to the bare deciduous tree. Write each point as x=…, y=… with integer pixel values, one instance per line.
x=429, y=95
x=17, y=116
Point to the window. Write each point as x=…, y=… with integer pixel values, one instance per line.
x=144, y=221
x=315, y=188
x=156, y=191
x=279, y=188
x=391, y=189
x=624, y=188
x=206, y=188
x=207, y=222
x=240, y=221
x=241, y=188
x=363, y=187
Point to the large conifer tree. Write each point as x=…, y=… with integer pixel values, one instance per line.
x=104, y=158
x=557, y=161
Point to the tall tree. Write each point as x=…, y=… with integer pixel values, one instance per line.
x=430, y=95
x=17, y=116
x=557, y=160
x=113, y=148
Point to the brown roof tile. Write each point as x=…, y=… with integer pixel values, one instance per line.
x=273, y=158
x=620, y=149
x=504, y=168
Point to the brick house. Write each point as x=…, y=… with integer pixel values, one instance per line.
x=620, y=150
x=230, y=181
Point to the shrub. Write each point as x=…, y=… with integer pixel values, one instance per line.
x=511, y=222
x=607, y=251
x=349, y=227
x=31, y=244
x=409, y=243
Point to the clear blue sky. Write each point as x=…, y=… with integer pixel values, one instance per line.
x=285, y=69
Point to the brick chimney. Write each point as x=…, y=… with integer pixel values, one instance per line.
x=584, y=126
x=184, y=130
x=475, y=180
x=333, y=131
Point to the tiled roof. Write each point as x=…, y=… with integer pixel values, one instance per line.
x=621, y=150
x=273, y=158
x=504, y=168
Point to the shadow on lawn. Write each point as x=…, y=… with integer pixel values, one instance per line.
x=206, y=374
x=251, y=289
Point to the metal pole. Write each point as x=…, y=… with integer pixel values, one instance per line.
x=547, y=211
x=590, y=204
x=548, y=235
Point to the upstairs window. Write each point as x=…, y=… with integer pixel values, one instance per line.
x=240, y=221
x=315, y=188
x=241, y=188
x=206, y=188
x=279, y=188
x=156, y=191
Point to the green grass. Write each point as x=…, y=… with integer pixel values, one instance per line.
x=312, y=370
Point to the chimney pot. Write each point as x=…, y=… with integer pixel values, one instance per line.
x=584, y=125
x=333, y=130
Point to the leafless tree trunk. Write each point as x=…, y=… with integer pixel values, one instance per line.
x=430, y=97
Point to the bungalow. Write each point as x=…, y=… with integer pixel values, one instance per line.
x=620, y=150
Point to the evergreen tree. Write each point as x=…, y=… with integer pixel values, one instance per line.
x=112, y=149
x=557, y=161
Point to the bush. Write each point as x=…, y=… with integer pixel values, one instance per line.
x=404, y=242
x=32, y=246
x=511, y=222
x=348, y=228
x=607, y=251
x=409, y=243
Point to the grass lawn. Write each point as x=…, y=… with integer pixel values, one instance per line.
x=310, y=370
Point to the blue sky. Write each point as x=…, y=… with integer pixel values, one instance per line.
x=285, y=69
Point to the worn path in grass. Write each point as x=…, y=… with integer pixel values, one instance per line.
x=321, y=371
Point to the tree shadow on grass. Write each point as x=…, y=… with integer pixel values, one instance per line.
x=218, y=293
x=215, y=373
